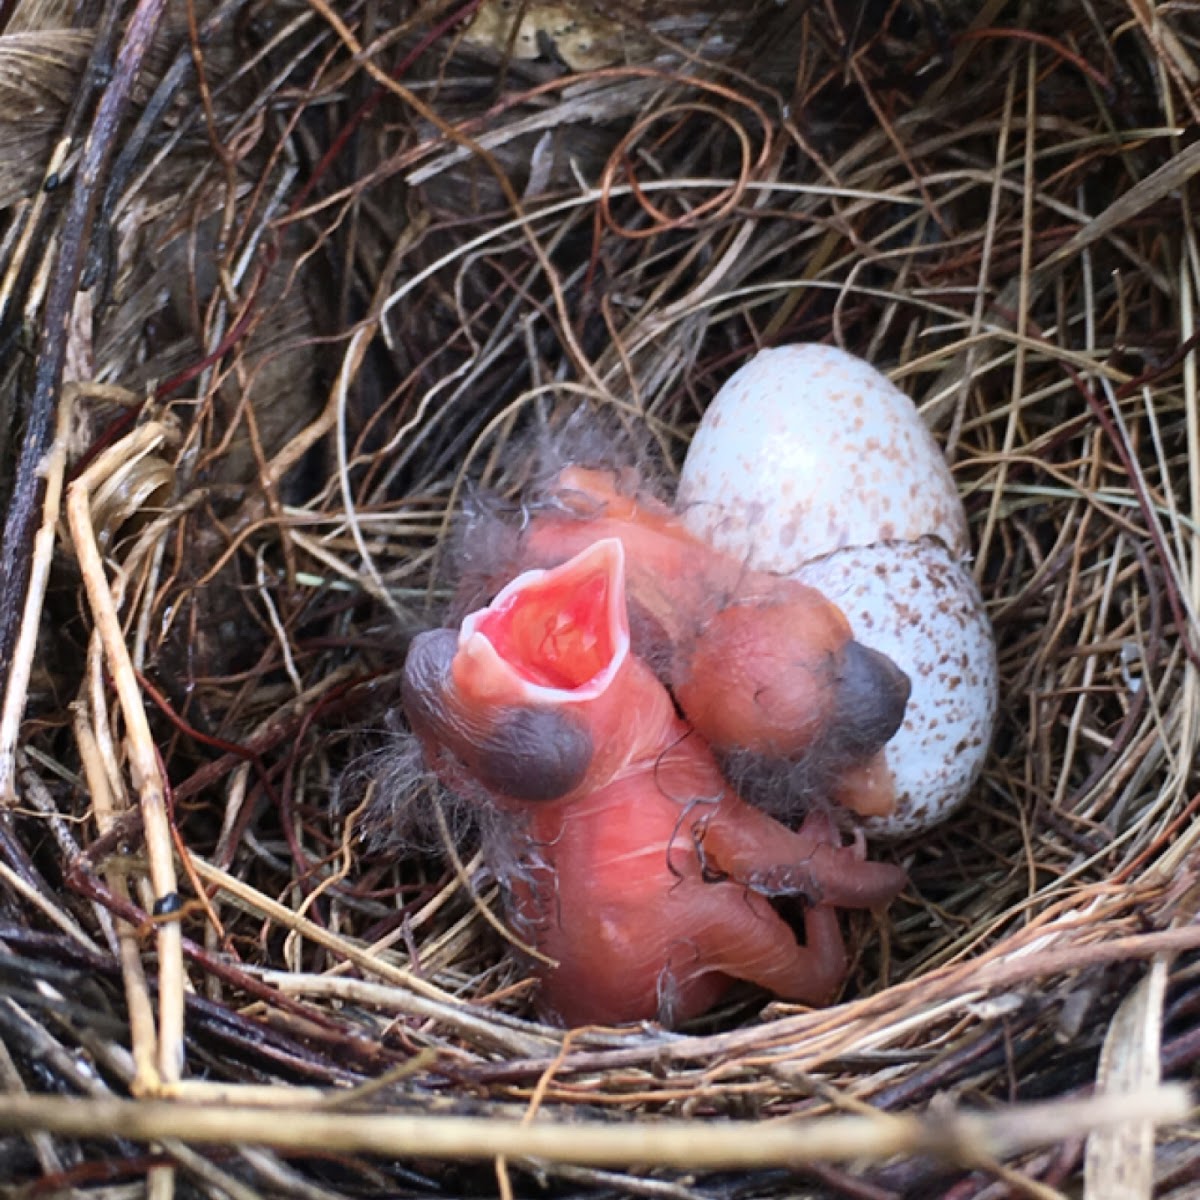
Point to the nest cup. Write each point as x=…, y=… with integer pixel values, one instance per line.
x=328, y=277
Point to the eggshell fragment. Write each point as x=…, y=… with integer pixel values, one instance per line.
x=808, y=449
x=914, y=602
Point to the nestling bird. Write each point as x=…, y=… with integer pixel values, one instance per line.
x=763, y=667
x=626, y=858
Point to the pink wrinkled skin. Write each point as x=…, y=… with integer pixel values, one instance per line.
x=626, y=857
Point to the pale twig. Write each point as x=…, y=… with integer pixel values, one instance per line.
x=959, y=1137
x=486, y=1029
x=106, y=808
x=1023, y=304
x=25, y=649
x=59, y=918
x=143, y=758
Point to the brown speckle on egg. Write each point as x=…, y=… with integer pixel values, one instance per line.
x=851, y=442
x=942, y=638
x=871, y=517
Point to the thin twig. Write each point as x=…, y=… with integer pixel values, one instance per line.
x=957, y=1137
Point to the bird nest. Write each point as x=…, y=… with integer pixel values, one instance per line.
x=283, y=285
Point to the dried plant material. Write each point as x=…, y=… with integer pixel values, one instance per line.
x=16, y=693
x=378, y=276
x=39, y=73
x=1119, y=1164
x=954, y=1136
x=145, y=773
x=577, y=33
x=585, y=35
x=39, y=15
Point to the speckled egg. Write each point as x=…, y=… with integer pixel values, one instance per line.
x=914, y=602
x=810, y=463
x=808, y=449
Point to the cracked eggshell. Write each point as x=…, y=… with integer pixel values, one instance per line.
x=915, y=602
x=808, y=449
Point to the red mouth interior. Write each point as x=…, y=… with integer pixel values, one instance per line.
x=555, y=632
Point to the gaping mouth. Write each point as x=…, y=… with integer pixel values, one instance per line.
x=561, y=634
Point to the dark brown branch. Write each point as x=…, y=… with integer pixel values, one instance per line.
x=115, y=85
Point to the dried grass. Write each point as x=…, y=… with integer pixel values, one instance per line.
x=349, y=263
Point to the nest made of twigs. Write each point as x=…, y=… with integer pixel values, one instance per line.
x=289, y=282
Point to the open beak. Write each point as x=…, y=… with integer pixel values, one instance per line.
x=550, y=637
